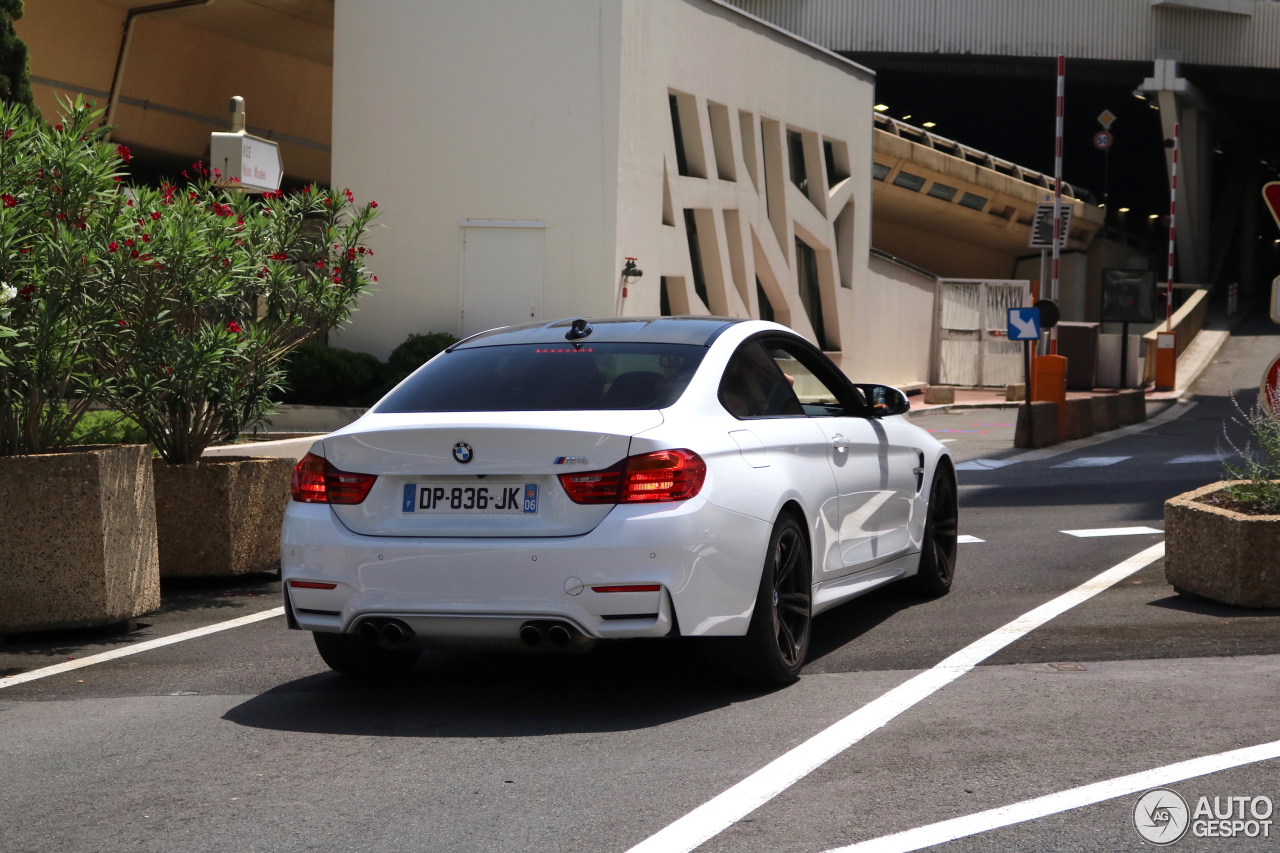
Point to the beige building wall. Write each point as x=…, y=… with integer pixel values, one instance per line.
x=544, y=132
x=741, y=87
x=479, y=111
x=183, y=67
x=900, y=306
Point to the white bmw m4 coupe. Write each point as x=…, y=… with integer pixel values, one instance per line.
x=551, y=486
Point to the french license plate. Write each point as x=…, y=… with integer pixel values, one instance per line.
x=450, y=498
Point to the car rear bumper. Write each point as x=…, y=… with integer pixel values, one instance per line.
x=705, y=560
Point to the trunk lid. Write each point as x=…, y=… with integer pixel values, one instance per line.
x=508, y=485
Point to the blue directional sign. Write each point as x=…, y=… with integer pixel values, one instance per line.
x=1024, y=324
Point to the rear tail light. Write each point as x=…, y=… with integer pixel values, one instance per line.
x=667, y=475
x=312, y=585
x=315, y=481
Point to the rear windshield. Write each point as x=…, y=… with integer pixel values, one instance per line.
x=549, y=378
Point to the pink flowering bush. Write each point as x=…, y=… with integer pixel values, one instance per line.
x=174, y=305
x=60, y=209
x=215, y=289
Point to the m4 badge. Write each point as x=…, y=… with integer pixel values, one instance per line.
x=570, y=460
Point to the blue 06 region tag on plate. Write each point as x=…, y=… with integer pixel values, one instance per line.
x=531, y=497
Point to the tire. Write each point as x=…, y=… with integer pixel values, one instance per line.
x=938, y=546
x=774, y=648
x=350, y=655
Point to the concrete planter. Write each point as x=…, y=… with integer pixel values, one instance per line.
x=1220, y=554
x=1106, y=412
x=1132, y=407
x=1077, y=418
x=222, y=516
x=1037, y=425
x=78, y=543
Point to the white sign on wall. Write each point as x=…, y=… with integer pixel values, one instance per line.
x=252, y=159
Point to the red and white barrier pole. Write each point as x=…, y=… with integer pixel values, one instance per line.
x=1057, y=195
x=1173, y=209
x=1167, y=341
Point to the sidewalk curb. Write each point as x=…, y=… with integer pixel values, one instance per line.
x=1174, y=412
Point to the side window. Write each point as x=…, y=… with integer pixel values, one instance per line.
x=754, y=387
x=817, y=396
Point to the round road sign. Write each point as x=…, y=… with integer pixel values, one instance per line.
x=1049, y=313
x=1269, y=390
x=1103, y=139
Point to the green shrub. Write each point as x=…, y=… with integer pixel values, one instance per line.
x=317, y=375
x=1259, y=467
x=106, y=426
x=416, y=351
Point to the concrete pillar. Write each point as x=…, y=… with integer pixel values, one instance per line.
x=1182, y=103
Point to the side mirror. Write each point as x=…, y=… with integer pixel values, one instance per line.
x=884, y=400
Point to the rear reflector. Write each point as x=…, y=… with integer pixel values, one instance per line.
x=312, y=585
x=634, y=587
x=667, y=475
x=315, y=481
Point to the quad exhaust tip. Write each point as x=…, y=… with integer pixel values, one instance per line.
x=530, y=634
x=558, y=634
x=387, y=632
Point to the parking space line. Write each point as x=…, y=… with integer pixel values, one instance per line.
x=1073, y=798
x=1111, y=531
x=1196, y=458
x=727, y=808
x=985, y=464
x=965, y=539
x=67, y=666
x=1092, y=462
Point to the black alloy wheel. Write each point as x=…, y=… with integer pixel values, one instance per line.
x=938, y=549
x=791, y=597
x=777, y=641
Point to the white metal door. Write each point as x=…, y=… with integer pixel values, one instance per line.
x=501, y=276
x=972, y=316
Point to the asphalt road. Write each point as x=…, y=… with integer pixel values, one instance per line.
x=244, y=741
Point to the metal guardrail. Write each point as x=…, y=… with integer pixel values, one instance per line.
x=969, y=154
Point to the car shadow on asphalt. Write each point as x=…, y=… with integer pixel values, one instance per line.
x=619, y=686
x=840, y=626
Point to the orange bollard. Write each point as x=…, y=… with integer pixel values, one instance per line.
x=1050, y=380
x=1166, y=361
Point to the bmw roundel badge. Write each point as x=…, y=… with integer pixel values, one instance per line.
x=462, y=452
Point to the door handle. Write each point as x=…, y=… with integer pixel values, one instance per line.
x=839, y=442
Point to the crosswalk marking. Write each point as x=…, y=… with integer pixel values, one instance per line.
x=1093, y=461
x=1112, y=531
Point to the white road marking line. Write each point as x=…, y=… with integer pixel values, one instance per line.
x=965, y=539
x=1112, y=531
x=1073, y=798
x=1092, y=462
x=1172, y=413
x=945, y=440
x=1195, y=457
x=985, y=464
x=727, y=808
x=67, y=666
